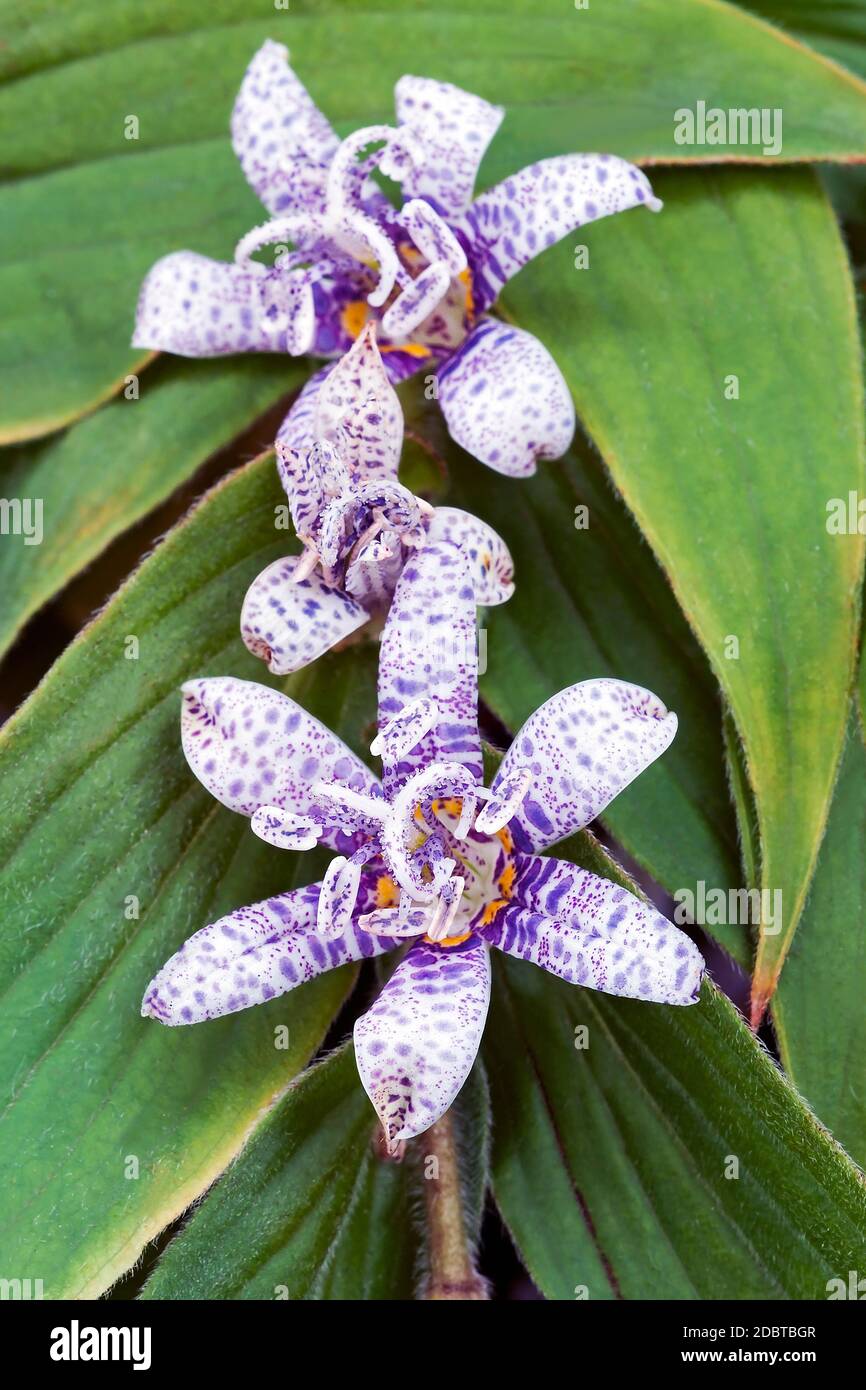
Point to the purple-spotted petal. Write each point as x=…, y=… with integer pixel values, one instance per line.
x=432, y=235
x=582, y=747
x=406, y=729
x=503, y=804
x=252, y=746
x=416, y=1045
x=283, y=829
x=408, y=918
x=357, y=407
x=297, y=433
x=353, y=405
x=251, y=956
x=490, y=562
x=281, y=138
x=196, y=307
x=310, y=477
x=288, y=309
x=416, y=302
x=289, y=624
x=339, y=896
x=593, y=932
x=371, y=576
x=509, y=224
x=429, y=649
x=455, y=128
x=505, y=400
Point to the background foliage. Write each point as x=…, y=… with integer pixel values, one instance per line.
x=707, y=520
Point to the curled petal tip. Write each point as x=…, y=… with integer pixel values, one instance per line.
x=654, y=708
x=691, y=988
x=152, y=1006
x=654, y=204
x=393, y=1142
x=389, y=1150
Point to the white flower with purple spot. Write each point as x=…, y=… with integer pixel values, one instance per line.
x=358, y=524
x=428, y=273
x=427, y=855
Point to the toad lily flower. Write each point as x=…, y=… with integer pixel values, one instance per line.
x=428, y=272
x=357, y=522
x=416, y=859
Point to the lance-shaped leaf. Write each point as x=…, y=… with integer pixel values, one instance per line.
x=637, y=63
x=835, y=27
x=818, y=1011
x=111, y=856
x=642, y=1152
x=108, y=471
x=69, y=308
x=728, y=428
x=313, y=1209
x=818, y=1007
x=126, y=109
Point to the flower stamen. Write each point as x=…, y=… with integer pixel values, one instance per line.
x=503, y=804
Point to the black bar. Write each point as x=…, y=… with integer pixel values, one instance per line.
x=244, y=1336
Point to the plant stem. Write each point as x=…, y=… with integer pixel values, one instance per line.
x=452, y=1269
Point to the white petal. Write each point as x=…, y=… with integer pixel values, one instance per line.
x=416, y=1045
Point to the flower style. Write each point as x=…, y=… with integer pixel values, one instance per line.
x=428, y=272
x=357, y=522
x=416, y=858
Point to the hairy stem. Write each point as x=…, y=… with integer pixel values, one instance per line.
x=452, y=1269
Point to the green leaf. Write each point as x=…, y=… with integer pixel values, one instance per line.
x=599, y=79
x=613, y=1148
x=835, y=27
x=733, y=280
x=818, y=1011
x=615, y=75
x=69, y=300
x=100, y=820
x=593, y=602
x=310, y=1210
x=110, y=470
x=744, y=802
